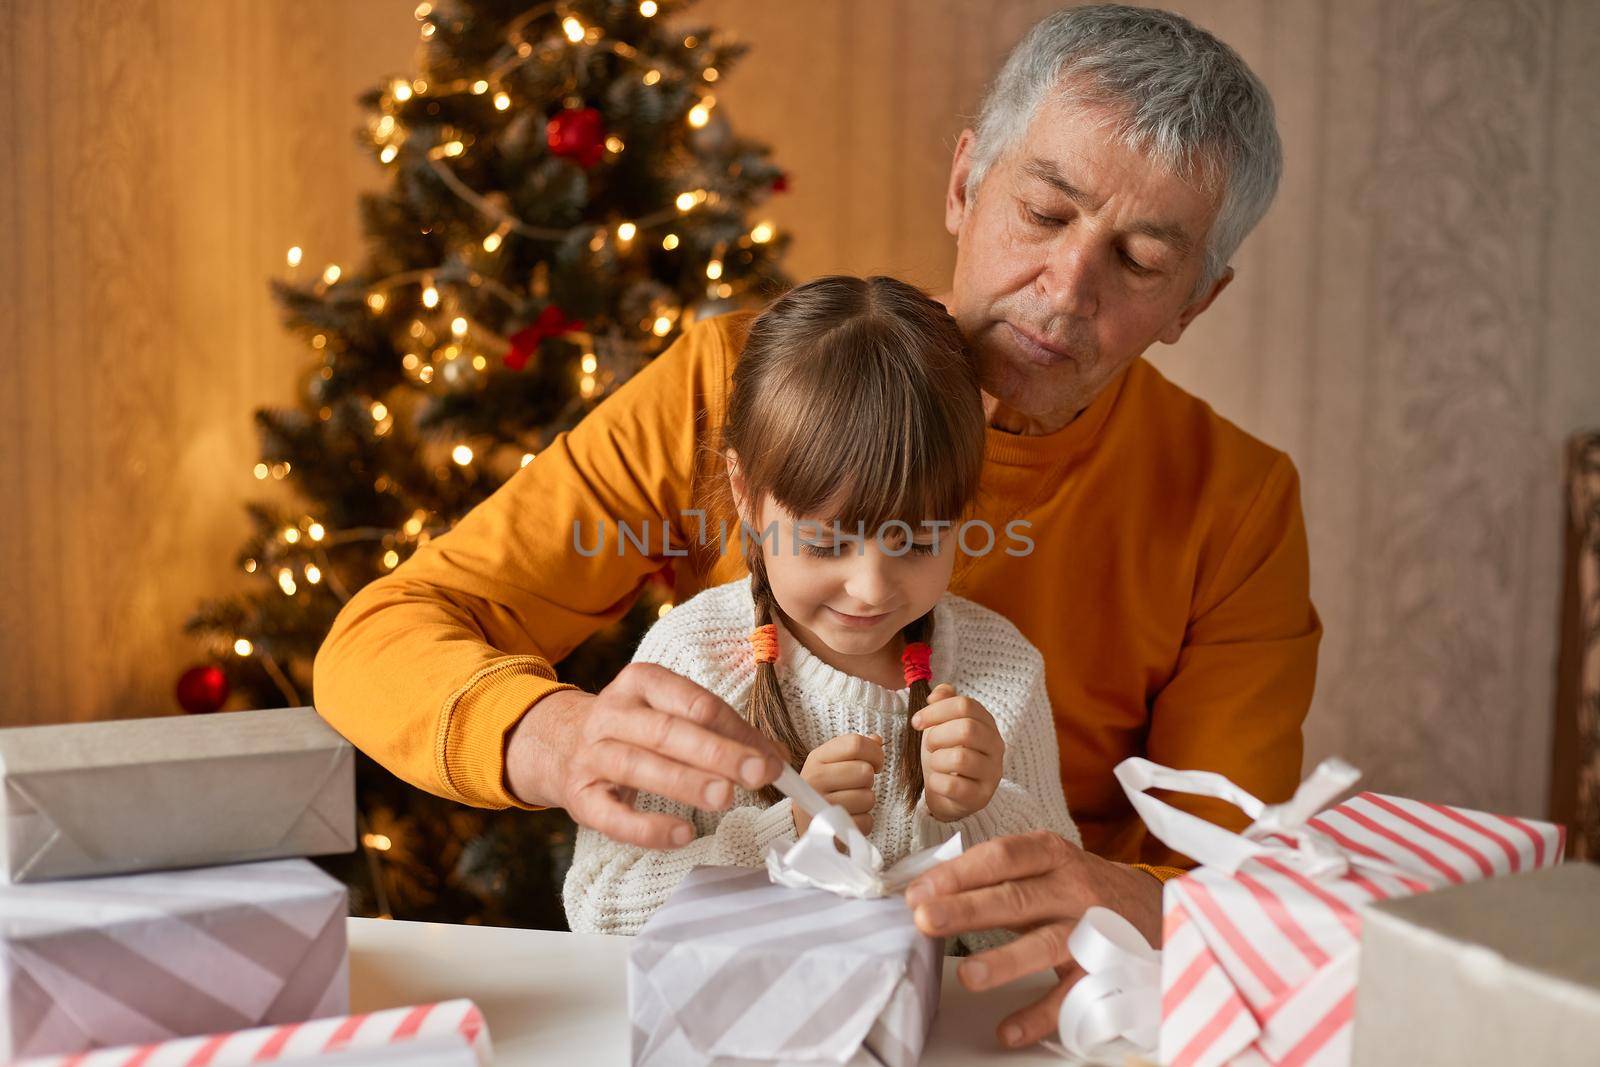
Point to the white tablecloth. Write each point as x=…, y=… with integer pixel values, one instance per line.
x=561, y=999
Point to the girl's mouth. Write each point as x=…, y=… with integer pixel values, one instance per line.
x=858, y=620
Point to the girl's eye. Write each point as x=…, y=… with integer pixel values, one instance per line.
x=821, y=551
x=920, y=549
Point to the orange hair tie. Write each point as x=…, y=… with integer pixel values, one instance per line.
x=915, y=660
x=764, y=641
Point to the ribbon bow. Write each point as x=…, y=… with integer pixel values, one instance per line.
x=815, y=862
x=1118, y=1004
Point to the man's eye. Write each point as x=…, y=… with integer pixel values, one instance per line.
x=1039, y=219
x=1135, y=266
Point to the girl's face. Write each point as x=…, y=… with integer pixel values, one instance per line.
x=854, y=593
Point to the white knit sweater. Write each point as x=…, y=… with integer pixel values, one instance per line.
x=615, y=888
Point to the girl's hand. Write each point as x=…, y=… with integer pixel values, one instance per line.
x=963, y=754
x=842, y=770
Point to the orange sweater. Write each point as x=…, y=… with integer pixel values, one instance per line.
x=1167, y=589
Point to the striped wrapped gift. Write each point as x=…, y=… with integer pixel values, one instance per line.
x=1260, y=943
x=735, y=969
x=144, y=958
x=444, y=1033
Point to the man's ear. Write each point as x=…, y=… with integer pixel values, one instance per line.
x=1192, y=310
x=955, y=196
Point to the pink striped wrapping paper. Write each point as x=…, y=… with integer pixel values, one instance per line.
x=1259, y=966
x=297, y=1043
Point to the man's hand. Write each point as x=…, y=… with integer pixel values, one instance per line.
x=650, y=730
x=963, y=754
x=1037, y=884
x=842, y=770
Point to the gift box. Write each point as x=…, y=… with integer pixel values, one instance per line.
x=1482, y=975
x=144, y=958
x=1261, y=942
x=444, y=1034
x=735, y=968
x=145, y=794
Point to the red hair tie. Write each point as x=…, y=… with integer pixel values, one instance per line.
x=915, y=660
x=764, y=642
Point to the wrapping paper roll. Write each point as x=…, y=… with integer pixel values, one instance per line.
x=447, y=1032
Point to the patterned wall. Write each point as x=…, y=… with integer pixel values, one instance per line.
x=1413, y=322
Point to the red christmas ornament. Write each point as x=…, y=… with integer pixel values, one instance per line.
x=780, y=184
x=552, y=322
x=578, y=134
x=202, y=690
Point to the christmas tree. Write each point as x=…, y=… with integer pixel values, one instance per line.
x=565, y=196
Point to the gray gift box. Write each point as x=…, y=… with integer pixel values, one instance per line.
x=145, y=794
x=1506, y=970
x=736, y=970
x=143, y=958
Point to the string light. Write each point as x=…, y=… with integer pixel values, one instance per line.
x=626, y=231
x=492, y=241
x=502, y=101
x=700, y=114
x=711, y=74
x=249, y=566
x=647, y=8
x=401, y=91
x=391, y=559
x=480, y=87
x=462, y=454
x=762, y=233
x=598, y=241
x=316, y=531
x=614, y=145
x=385, y=126
x=458, y=326
x=428, y=30
x=714, y=269
x=286, y=582
x=388, y=154
x=652, y=76
x=586, y=386
x=527, y=458
x=331, y=274
x=295, y=255
x=243, y=647
x=313, y=573
x=589, y=363
x=573, y=28
x=261, y=472
x=419, y=86
x=380, y=842
x=662, y=326
x=379, y=411
x=670, y=241
x=661, y=612
x=430, y=299
x=423, y=10
x=291, y=535
x=685, y=201
x=376, y=301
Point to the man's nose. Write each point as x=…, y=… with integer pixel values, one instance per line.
x=1070, y=282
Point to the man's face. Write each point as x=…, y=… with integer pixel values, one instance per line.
x=1073, y=257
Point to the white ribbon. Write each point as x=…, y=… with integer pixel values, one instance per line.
x=1119, y=999
x=815, y=862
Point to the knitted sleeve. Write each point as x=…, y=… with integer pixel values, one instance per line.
x=613, y=888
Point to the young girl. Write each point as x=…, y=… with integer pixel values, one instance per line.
x=852, y=442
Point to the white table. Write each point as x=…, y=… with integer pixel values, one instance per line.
x=562, y=999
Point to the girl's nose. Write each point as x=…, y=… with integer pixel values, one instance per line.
x=868, y=584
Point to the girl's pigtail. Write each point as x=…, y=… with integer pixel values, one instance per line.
x=767, y=711
x=915, y=661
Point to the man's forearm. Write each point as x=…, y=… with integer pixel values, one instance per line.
x=541, y=747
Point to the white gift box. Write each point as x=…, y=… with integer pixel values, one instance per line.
x=179, y=791
x=1491, y=973
x=145, y=958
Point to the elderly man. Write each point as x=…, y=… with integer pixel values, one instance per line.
x=1120, y=158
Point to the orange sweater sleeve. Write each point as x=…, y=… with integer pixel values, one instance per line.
x=1242, y=687
x=429, y=668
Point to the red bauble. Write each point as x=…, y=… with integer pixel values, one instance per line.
x=552, y=322
x=202, y=689
x=780, y=184
x=578, y=134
